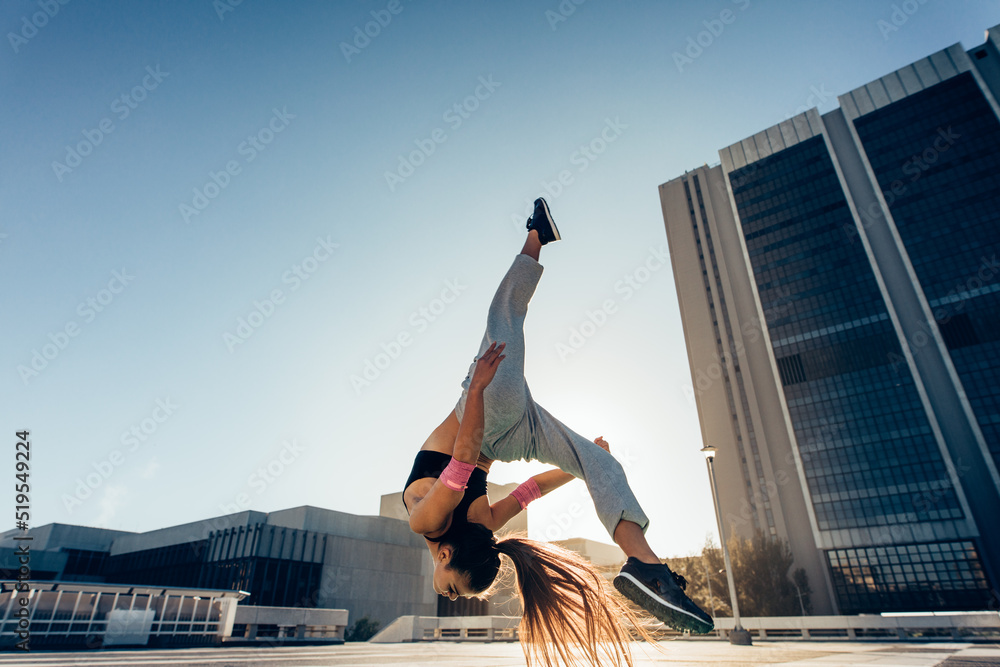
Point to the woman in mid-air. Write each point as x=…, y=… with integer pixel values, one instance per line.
x=566, y=602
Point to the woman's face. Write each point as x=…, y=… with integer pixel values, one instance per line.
x=447, y=582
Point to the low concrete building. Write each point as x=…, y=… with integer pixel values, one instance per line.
x=331, y=566
x=303, y=557
x=602, y=555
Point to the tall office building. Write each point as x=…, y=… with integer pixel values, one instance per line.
x=839, y=288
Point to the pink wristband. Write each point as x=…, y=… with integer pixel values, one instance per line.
x=456, y=475
x=527, y=492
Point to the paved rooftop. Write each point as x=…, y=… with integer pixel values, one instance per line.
x=681, y=652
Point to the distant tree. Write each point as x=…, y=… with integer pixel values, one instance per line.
x=761, y=571
x=760, y=568
x=363, y=629
x=706, y=579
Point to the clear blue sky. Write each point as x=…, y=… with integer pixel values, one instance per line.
x=93, y=183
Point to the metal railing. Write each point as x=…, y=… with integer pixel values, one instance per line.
x=958, y=626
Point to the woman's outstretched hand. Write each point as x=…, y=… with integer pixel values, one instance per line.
x=602, y=443
x=486, y=367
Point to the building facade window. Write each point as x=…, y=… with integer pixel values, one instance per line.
x=936, y=155
x=866, y=445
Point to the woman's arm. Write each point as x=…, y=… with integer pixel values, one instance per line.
x=552, y=480
x=430, y=516
x=469, y=439
x=506, y=509
x=432, y=513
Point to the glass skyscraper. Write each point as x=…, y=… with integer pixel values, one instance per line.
x=840, y=294
x=940, y=149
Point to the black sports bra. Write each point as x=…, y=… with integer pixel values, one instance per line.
x=431, y=464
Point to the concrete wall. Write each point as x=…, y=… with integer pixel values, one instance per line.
x=378, y=580
x=290, y=616
x=598, y=553
x=462, y=628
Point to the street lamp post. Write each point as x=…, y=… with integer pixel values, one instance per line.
x=708, y=581
x=798, y=591
x=738, y=635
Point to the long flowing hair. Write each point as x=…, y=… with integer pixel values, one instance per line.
x=569, y=610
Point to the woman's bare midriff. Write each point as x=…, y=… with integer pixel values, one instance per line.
x=442, y=439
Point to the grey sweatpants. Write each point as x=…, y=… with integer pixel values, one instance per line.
x=516, y=428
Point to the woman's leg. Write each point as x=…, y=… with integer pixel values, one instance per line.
x=532, y=245
x=629, y=536
x=616, y=505
x=649, y=584
x=506, y=396
x=548, y=439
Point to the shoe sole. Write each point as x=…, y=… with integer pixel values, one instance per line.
x=672, y=615
x=552, y=223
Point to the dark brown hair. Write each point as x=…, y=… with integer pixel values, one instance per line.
x=570, y=611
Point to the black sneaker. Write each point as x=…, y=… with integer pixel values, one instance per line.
x=541, y=220
x=659, y=591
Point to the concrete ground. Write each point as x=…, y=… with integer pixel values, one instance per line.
x=680, y=652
